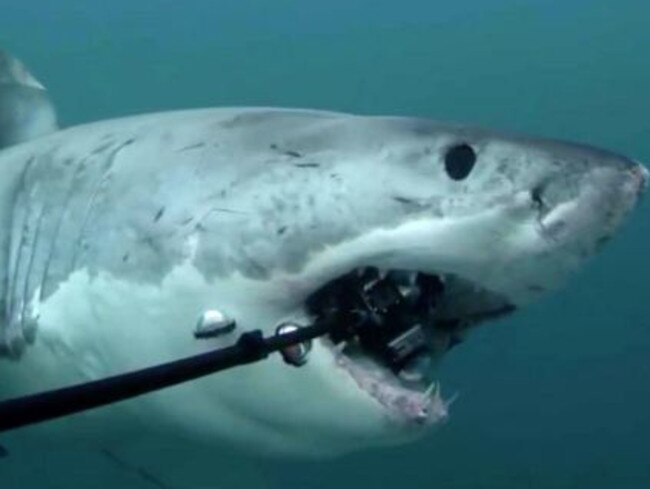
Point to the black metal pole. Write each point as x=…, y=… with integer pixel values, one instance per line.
x=251, y=347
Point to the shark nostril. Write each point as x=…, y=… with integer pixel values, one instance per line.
x=536, y=196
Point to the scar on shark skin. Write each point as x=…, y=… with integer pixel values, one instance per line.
x=191, y=147
x=286, y=152
x=307, y=165
x=159, y=214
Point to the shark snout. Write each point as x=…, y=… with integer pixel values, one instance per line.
x=639, y=175
x=587, y=208
x=630, y=184
x=619, y=195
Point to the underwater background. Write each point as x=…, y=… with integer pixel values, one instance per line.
x=558, y=396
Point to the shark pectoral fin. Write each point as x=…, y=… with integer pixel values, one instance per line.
x=25, y=108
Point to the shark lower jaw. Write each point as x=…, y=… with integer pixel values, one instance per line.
x=404, y=323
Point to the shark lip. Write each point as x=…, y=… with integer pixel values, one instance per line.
x=415, y=319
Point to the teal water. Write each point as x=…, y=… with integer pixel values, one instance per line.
x=556, y=397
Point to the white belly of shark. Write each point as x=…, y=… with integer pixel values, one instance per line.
x=120, y=234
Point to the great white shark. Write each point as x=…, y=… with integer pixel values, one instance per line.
x=117, y=236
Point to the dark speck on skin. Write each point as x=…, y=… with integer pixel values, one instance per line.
x=125, y=258
x=287, y=152
x=307, y=165
x=191, y=146
x=159, y=214
x=411, y=203
x=226, y=210
x=403, y=200
x=282, y=230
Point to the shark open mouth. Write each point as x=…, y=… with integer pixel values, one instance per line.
x=394, y=326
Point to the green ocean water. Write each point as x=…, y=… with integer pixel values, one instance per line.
x=556, y=397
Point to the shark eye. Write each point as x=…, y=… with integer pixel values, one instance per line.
x=459, y=161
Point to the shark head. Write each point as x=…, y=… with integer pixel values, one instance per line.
x=493, y=221
x=403, y=233
x=415, y=231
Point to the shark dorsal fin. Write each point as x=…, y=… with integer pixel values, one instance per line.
x=25, y=108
